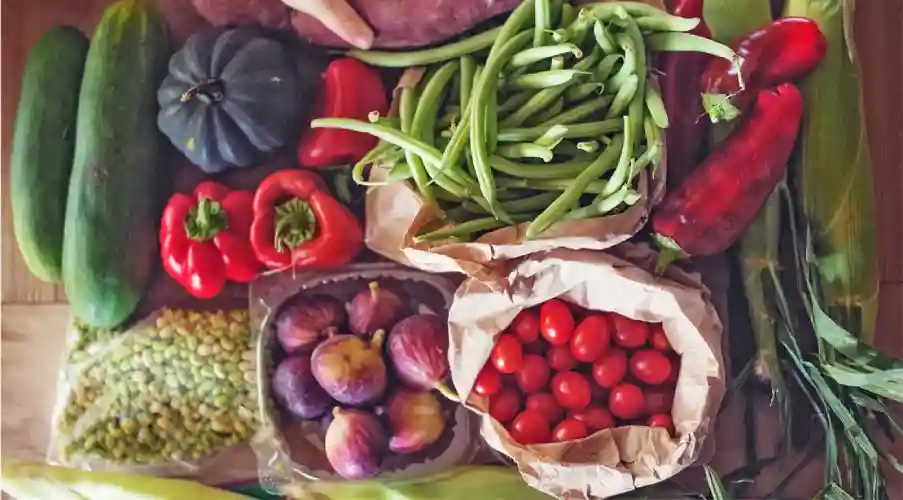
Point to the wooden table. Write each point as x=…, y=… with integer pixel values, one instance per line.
x=35, y=316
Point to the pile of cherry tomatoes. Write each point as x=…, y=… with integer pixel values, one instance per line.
x=560, y=373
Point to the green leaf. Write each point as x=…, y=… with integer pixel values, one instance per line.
x=716, y=488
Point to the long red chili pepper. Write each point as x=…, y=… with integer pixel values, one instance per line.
x=716, y=203
x=350, y=89
x=782, y=51
x=298, y=224
x=688, y=132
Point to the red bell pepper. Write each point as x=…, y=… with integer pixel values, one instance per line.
x=204, y=239
x=782, y=51
x=688, y=132
x=713, y=207
x=350, y=89
x=298, y=224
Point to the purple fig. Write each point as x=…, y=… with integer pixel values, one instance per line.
x=296, y=389
x=304, y=321
x=418, y=348
x=374, y=309
x=351, y=369
x=416, y=419
x=356, y=444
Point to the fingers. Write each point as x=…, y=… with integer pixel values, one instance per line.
x=339, y=17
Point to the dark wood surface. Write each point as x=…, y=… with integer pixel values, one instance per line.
x=880, y=42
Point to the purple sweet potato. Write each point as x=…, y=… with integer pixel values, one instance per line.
x=269, y=13
x=408, y=23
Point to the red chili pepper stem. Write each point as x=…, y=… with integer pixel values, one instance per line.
x=295, y=223
x=669, y=252
x=205, y=220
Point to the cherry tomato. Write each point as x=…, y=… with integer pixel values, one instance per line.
x=662, y=420
x=545, y=403
x=630, y=333
x=505, y=405
x=530, y=427
x=626, y=401
x=489, y=381
x=659, y=399
x=560, y=358
x=525, y=326
x=556, y=322
x=591, y=338
x=569, y=430
x=650, y=366
x=675, y=369
x=658, y=340
x=571, y=390
x=610, y=368
x=534, y=374
x=508, y=354
x=596, y=418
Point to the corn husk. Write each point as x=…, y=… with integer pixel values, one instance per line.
x=833, y=174
x=729, y=19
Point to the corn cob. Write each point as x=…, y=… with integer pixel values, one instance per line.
x=833, y=173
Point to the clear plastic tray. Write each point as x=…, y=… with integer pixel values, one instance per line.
x=290, y=449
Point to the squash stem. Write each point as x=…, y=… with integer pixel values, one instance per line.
x=208, y=92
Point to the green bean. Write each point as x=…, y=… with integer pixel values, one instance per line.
x=582, y=111
x=656, y=107
x=577, y=130
x=559, y=35
x=556, y=63
x=406, y=107
x=577, y=30
x=553, y=110
x=468, y=228
x=685, y=42
x=468, y=68
x=570, y=149
x=478, y=133
x=603, y=38
x=629, y=66
x=396, y=137
x=533, y=55
x=546, y=79
x=552, y=136
x=637, y=106
x=522, y=205
x=667, y=23
x=492, y=121
x=451, y=117
x=606, y=67
x=580, y=92
x=514, y=101
x=622, y=171
x=594, y=187
x=519, y=18
x=574, y=190
x=525, y=150
x=545, y=97
x=568, y=14
x=400, y=172
x=543, y=20
x=423, y=127
x=601, y=207
x=588, y=146
x=387, y=59
x=636, y=9
x=457, y=145
x=623, y=97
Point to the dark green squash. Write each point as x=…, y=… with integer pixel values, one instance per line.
x=231, y=96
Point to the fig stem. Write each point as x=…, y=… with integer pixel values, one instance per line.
x=378, y=337
x=374, y=291
x=447, y=392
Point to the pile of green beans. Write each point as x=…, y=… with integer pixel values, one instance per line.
x=550, y=117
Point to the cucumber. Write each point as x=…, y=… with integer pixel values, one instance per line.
x=110, y=241
x=43, y=145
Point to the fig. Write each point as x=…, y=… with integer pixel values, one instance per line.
x=351, y=369
x=417, y=421
x=418, y=349
x=297, y=391
x=374, y=309
x=355, y=443
x=306, y=320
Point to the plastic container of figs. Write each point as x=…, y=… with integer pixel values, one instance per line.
x=322, y=338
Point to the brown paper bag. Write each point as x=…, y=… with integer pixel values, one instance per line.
x=614, y=461
x=395, y=213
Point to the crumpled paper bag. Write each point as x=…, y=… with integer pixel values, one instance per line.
x=395, y=213
x=613, y=461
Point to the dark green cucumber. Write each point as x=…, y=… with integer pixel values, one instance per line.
x=110, y=242
x=43, y=144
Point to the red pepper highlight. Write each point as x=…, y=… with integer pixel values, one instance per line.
x=350, y=89
x=712, y=208
x=782, y=51
x=688, y=132
x=204, y=239
x=298, y=224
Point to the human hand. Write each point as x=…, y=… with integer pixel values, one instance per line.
x=339, y=17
